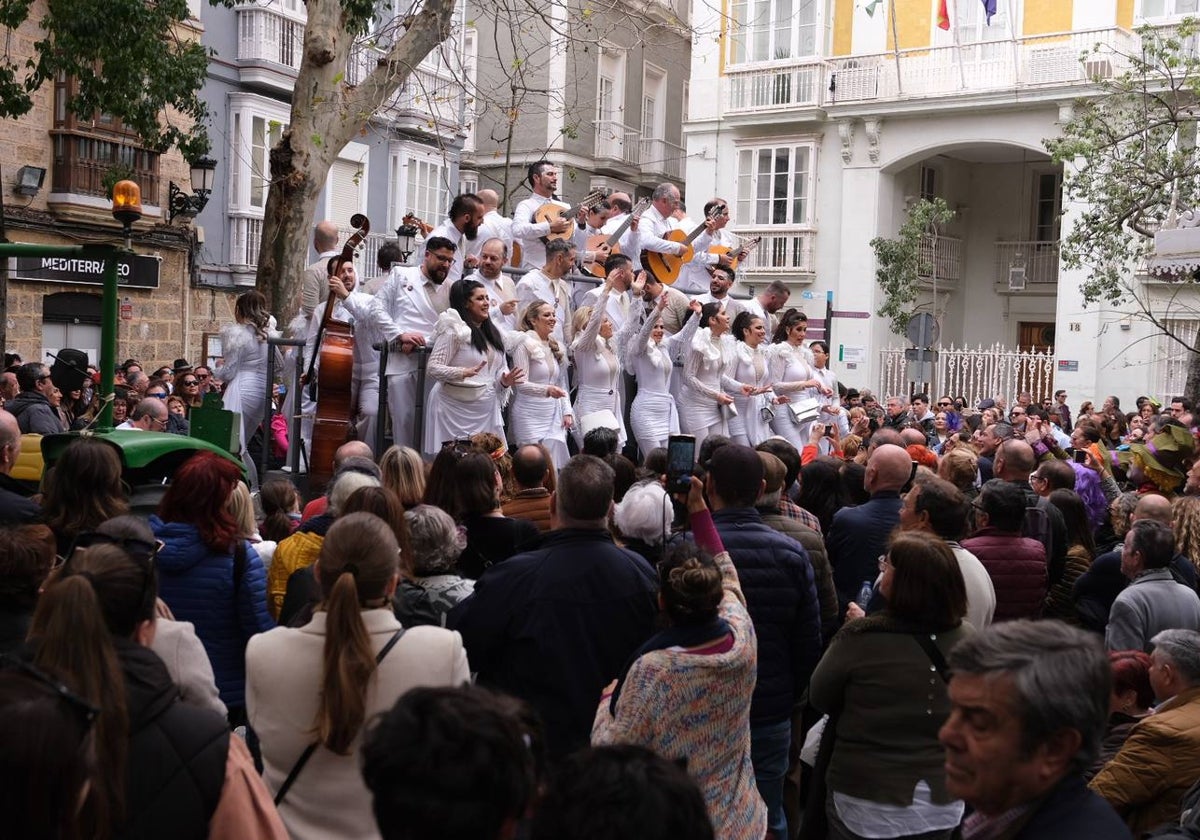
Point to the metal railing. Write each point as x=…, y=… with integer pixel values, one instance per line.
x=975, y=373
x=1048, y=59
x=617, y=141
x=1040, y=260
x=945, y=258
x=796, y=83
x=661, y=156
x=783, y=250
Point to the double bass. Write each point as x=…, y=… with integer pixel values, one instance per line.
x=333, y=360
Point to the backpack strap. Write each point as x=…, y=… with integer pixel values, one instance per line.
x=311, y=748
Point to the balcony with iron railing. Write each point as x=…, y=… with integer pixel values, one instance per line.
x=658, y=157
x=1032, y=62
x=270, y=46
x=766, y=87
x=785, y=252
x=83, y=161
x=941, y=260
x=1039, y=261
x=617, y=143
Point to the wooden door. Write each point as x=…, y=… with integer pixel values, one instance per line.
x=1035, y=335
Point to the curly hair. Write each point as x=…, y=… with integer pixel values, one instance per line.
x=251, y=308
x=1185, y=521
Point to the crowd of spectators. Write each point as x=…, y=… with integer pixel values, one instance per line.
x=952, y=621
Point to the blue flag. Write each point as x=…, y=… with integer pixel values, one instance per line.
x=989, y=9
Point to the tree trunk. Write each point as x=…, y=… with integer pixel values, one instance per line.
x=1191, y=388
x=326, y=115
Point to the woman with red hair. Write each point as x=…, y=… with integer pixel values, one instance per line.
x=923, y=455
x=1130, y=701
x=209, y=575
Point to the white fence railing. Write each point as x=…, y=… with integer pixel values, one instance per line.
x=661, y=156
x=783, y=250
x=975, y=373
x=946, y=258
x=1049, y=59
x=245, y=240
x=783, y=84
x=617, y=141
x=1040, y=260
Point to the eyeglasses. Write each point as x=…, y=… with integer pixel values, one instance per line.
x=43, y=377
x=161, y=423
x=142, y=551
x=884, y=562
x=202, y=376
x=158, y=395
x=945, y=404
x=86, y=711
x=188, y=383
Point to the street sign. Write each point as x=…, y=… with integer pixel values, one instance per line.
x=923, y=330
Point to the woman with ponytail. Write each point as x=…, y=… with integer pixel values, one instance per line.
x=310, y=689
x=161, y=767
x=686, y=693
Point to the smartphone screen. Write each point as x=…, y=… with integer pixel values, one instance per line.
x=681, y=458
x=1080, y=456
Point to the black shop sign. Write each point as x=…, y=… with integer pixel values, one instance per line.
x=133, y=270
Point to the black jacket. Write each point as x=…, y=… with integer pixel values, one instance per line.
x=16, y=508
x=34, y=414
x=1072, y=812
x=177, y=754
x=855, y=540
x=555, y=625
x=781, y=597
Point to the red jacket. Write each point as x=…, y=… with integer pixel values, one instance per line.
x=1017, y=566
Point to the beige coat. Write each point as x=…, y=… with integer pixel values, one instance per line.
x=283, y=672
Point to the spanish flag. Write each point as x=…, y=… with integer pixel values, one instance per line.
x=943, y=15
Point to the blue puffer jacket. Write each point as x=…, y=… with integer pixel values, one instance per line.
x=781, y=597
x=197, y=585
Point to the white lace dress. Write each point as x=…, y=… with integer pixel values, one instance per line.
x=749, y=366
x=703, y=377
x=597, y=375
x=460, y=405
x=789, y=366
x=243, y=369
x=653, y=417
x=537, y=417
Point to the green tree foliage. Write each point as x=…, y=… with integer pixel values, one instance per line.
x=900, y=263
x=1130, y=156
x=129, y=61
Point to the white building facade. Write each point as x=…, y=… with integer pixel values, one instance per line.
x=828, y=122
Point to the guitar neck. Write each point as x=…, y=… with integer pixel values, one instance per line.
x=699, y=229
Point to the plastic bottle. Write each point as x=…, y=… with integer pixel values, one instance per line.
x=864, y=594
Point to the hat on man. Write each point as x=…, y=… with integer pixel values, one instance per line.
x=1163, y=456
x=180, y=366
x=984, y=405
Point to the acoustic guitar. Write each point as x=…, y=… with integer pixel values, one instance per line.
x=744, y=250
x=666, y=267
x=551, y=211
x=596, y=269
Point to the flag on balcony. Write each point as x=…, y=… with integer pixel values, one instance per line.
x=944, y=15
x=989, y=9
x=871, y=7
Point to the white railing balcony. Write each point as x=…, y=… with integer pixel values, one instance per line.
x=245, y=240
x=368, y=254
x=435, y=97
x=774, y=86
x=943, y=260
x=662, y=157
x=784, y=250
x=1040, y=260
x=268, y=35
x=1042, y=60
x=616, y=141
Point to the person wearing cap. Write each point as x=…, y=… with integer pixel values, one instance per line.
x=178, y=368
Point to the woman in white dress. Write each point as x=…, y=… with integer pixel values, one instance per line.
x=597, y=371
x=243, y=368
x=792, y=377
x=467, y=364
x=831, y=412
x=748, y=379
x=541, y=411
x=653, y=416
x=704, y=402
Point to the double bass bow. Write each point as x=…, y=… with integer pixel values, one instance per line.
x=333, y=361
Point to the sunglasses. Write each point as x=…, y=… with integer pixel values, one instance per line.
x=86, y=711
x=142, y=551
x=944, y=404
x=202, y=375
x=157, y=395
x=188, y=383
